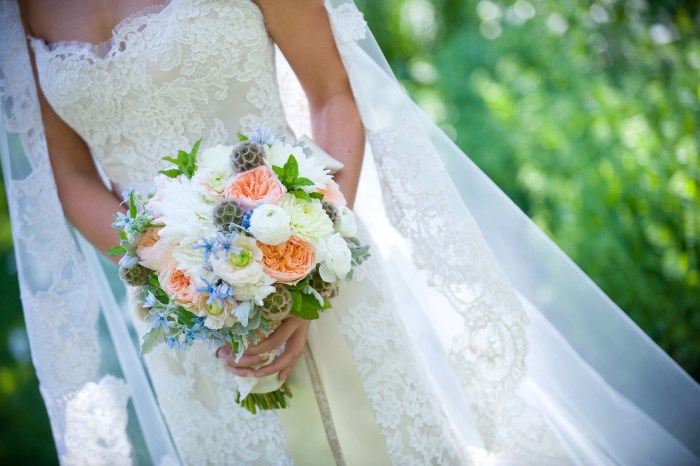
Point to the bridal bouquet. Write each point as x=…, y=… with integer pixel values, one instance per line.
x=231, y=241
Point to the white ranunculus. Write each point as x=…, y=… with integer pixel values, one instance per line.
x=309, y=167
x=244, y=268
x=309, y=220
x=217, y=158
x=337, y=259
x=184, y=212
x=210, y=183
x=191, y=261
x=270, y=224
x=256, y=291
x=346, y=224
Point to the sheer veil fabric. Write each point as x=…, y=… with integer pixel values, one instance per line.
x=529, y=360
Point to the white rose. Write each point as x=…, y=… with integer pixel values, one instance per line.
x=347, y=226
x=270, y=224
x=309, y=220
x=337, y=259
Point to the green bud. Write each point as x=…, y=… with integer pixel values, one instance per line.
x=242, y=259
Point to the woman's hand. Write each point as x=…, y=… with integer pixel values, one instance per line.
x=291, y=333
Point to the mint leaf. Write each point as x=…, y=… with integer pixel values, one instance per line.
x=172, y=173
x=301, y=194
x=291, y=168
x=300, y=181
x=279, y=171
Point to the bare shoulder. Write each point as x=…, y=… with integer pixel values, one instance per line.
x=82, y=20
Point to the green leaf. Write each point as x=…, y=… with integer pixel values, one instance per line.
x=172, y=173
x=301, y=181
x=316, y=195
x=122, y=235
x=297, y=299
x=172, y=160
x=301, y=194
x=279, y=171
x=152, y=338
x=242, y=137
x=117, y=250
x=132, y=205
x=291, y=168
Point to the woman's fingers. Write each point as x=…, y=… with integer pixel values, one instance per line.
x=286, y=362
x=277, y=338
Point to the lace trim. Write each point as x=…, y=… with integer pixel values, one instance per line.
x=195, y=69
x=488, y=355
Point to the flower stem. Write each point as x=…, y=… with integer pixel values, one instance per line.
x=266, y=401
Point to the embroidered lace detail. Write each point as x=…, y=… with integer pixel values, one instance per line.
x=414, y=427
x=488, y=355
x=193, y=69
x=52, y=272
x=96, y=421
x=197, y=397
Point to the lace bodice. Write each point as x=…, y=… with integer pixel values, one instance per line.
x=170, y=75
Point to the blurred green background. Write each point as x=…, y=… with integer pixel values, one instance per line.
x=585, y=113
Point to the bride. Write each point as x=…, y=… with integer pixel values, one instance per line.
x=468, y=339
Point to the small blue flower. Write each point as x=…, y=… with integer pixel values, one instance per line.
x=122, y=221
x=245, y=222
x=223, y=293
x=173, y=343
x=160, y=320
x=225, y=244
x=208, y=246
x=126, y=195
x=263, y=136
x=150, y=300
x=207, y=288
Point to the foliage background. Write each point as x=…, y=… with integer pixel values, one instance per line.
x=585, y=113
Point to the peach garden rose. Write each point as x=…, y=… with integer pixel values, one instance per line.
x=256, y=186
x=180, y=285
x=290, y=261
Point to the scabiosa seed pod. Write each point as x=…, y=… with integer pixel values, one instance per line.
x=247, y=155
x=330, y=210
x=135, y=276
x=278, y=304
x=327, y=290
x=228, y=212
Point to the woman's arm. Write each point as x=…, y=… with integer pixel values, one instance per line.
x=86, y=202
x=302, y=31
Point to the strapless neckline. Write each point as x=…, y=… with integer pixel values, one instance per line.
x=117, y=42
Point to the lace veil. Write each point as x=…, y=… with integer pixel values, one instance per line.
x=545, y=362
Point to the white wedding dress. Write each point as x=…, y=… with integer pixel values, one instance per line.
x=389, y=378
